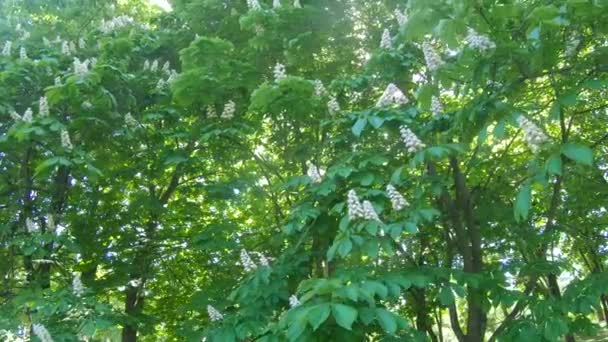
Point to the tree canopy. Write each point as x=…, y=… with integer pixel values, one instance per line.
x=308, y=170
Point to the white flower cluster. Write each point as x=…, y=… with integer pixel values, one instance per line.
x=431, y=57
x=65, y=48
x=279, y=72
x=130, y=121
x=77, y=286
x=333, y=106
x=532, y=134
x=28, y=116
x=572, y=46
x=41, y=332
x=369, y=213
x=166, y=68
x=211, y=113
x=254, y=5
x=392, y=95
x=229, y=110
x=297, y=4
x=15, y=116
x=81, y=68
x=397, y=200
x=400, y=16
x=146, y=65
x=246, y=261
x=386, y=42
x=65, y=140
x=436, y=106
x=319, y=88
x=57, y=81
x=6, y=50
x=50, y=223
x=276, y=3
x=411, y=141
x=30, y=225
x=214, y=315
x=293, y=301
x=314, y=173
x=43, y=106
x=263, y=260
x=82, y=44
x=478, y=41
x=23, y=53
x=355, y=208
x=115, y=23
x=154, y=66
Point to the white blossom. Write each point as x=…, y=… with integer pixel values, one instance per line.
x=319, y=88
x=41, y=332
x=6, y=50
x=431, y=57
x=161, y=84
x=264, y=260
x=211, y=113
x=30, y=226
x=172, y=76
x=386, y=42
x=154, y=66
x=297, y=4
x=229, y=109
x=314, y=173
x=25, y=35
x=533, y=135
x=130, y=121
x=246, y=261
x=214, y=315
x=87, y=105
x=392, y=95
x=254, y=5
x=166, y=67
x=279, y=72
x=276, y=3
x=572, y=46
x=146, y=64
x=93, y=62
x=355, y=208
x=50, y=223
x=115, y=23
x=293, y=301
x=43, y=106
x=81, y=68
x=411, y=141
x=478, y=41
x=23, y=53
x=65, y=48
x=77, y=286
x=333, y=106
x=82, y=44
x=46, y=42
x=397, y=200
x=28, y=116
x=15, y=116
x=369, y=213
x=436, y=106
x=72, y=47
x=400, y=16
x=65, y=140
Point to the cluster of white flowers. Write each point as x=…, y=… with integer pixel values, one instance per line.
x=293, y=301
x=229, y=110
x=319, y=88
x=276, y=3
x=65, y=48
x=82, y=44
x=279, y=72
x=161, y=84
x=77, y=286
x=355, y=208
x=46, y=41
x=246, y=261
x=15, y=116
x=387, y=41
x=81, y=68
x=115, y=23
x=57, y=80
x=400, y=16
x=214, y=315
x=65, y=140
x=23, y=53
x=43, y=106
x=172, y=76
x=397, y=200
x=369, y=213
x=333, y=106
x=478, y=41
x=314, y=173
x=28, y=116
x=263, y=260
x=411, y=141
x=146, y=65
x=431, y=57
x=166, y=68
x=572, y=46
x=87, y=105
x=130, y=121
x=392, y=95
x=154, y=66
x=6, y=50
x=50, y=223
x=296, y=4
x=532, y=134
x=211, y=113
x=436, y=106
x=41, y=332
x=30, y=225
x=254, y=5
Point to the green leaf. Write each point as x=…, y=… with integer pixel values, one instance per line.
x=376, y=122
x=175, y=159
x=522, y=202
x=345, y=247
x=344, y=315
x=387, y=321
x=554, y=165
x=579, y=153
x=318, y=314
x=359, y=126
x=446, y=296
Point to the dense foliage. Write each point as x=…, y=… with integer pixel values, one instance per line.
x=310, y=170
